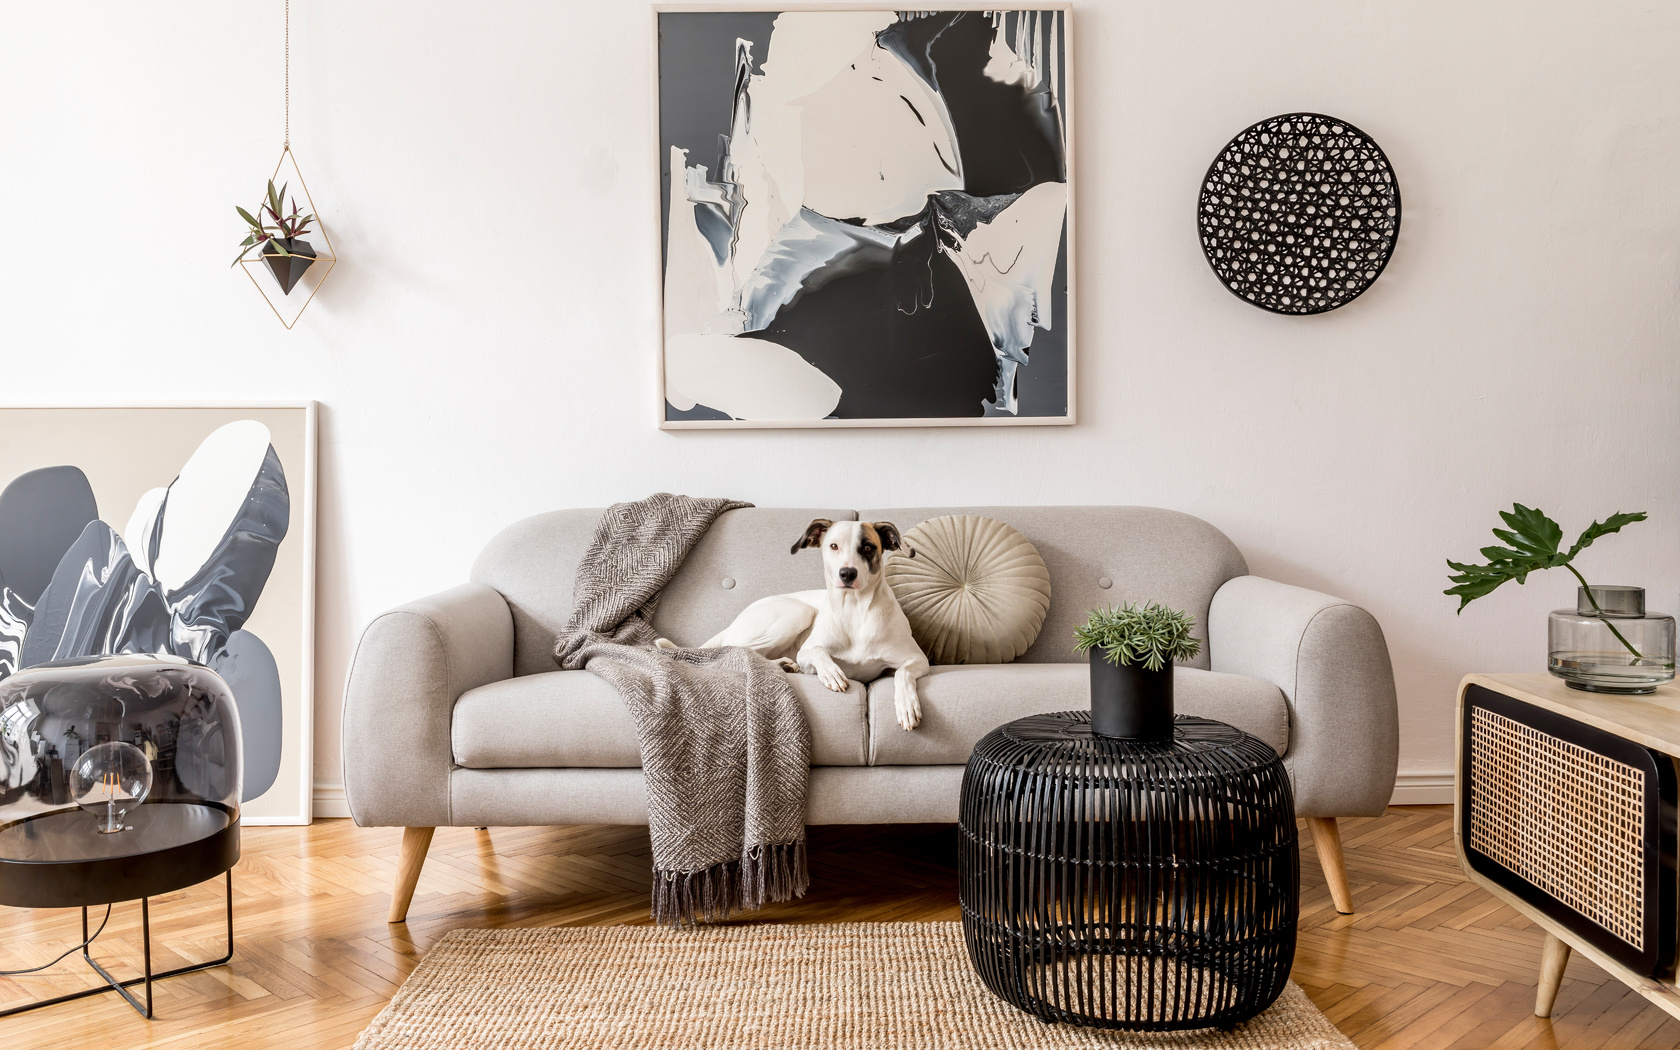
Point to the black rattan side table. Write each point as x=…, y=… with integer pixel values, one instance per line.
x=1124, y=884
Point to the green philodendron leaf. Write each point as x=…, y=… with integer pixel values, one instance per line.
x=1523, y=547
x=1611, y=524
x=1534, y=532
x=1501, y=554
x=1533, y=541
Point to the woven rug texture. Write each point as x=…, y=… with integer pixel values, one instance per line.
x=880, y=986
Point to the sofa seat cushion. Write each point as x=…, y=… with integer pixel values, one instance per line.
x=961, y=704
x=562, y=719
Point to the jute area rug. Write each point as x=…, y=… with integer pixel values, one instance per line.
x=751, y=987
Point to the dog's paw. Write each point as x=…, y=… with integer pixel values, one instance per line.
x=665, y=643
x=790, y=666
x=834, y=678
x=907, y=705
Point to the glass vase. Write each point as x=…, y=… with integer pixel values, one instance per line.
x=1608, y=643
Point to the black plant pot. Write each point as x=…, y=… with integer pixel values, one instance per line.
x=289, y=269
x=1130, y=703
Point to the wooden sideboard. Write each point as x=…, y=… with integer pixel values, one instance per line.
x=1651, y=721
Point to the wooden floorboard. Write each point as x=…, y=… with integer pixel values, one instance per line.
x=1427, y=962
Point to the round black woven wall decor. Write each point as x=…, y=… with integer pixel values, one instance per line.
x=1299, y=213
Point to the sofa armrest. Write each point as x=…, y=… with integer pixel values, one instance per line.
x=1329, y=658
x=411, y=666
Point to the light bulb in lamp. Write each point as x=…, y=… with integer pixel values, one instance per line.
x=109, y=780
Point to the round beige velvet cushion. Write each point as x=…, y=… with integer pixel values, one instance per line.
x=975, y=593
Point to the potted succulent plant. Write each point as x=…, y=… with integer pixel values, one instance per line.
x=1132, y=651
x=280, y=243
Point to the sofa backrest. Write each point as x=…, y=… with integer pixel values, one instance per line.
x=1144, y=553
x=533, y=563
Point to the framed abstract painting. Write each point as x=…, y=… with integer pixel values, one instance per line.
x=866, y=216
x=187, y=532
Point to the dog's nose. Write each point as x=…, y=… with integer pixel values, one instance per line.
x=848, y=575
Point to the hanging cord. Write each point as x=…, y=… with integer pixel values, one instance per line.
x=66, y=955
x=288, y=143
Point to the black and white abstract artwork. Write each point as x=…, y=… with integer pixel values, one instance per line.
x=865, y=217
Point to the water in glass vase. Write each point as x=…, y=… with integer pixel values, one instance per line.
x=1608, y=643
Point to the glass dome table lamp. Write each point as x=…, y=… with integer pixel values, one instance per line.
x=120, y=779
x=1608, y=643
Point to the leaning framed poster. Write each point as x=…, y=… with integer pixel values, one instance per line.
x=866, y=216
x=184, y=531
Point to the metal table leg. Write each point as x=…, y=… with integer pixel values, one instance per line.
x=147, y=977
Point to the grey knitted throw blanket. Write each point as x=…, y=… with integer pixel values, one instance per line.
x=725, y=748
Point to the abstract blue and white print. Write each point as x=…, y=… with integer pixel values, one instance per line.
x=181, y=578
x=865, y=215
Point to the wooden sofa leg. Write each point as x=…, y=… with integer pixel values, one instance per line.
x=1554, y=956
x=415, y=843
x=1327, y=839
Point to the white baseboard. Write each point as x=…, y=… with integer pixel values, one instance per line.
x=1410, y=789
x=330, y=801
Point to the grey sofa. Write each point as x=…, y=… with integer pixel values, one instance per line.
x=455, y=715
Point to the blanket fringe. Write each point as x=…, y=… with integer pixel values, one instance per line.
x=766, y=873
x=773, y=873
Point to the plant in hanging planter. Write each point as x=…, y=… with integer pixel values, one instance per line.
x=1132, y=650
x=280, y=243
x=1607, y=642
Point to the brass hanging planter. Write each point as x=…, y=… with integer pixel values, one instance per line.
x=285, y=258
x=288, y=270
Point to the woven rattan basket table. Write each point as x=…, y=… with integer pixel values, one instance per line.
x=1129, y=884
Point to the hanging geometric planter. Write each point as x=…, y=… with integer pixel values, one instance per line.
x=287, y=270
x=286, y=251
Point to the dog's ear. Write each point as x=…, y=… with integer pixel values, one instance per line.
x=890, y=538
x=813, y=535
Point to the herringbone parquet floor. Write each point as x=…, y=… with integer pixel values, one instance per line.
x=1427, y=963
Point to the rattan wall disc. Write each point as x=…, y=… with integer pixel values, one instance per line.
x=1299, y=213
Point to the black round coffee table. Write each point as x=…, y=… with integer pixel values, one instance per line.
x=177, y=722
x=1128, y=884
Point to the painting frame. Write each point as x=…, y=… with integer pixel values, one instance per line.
x=1069, y=288
x=289, y=623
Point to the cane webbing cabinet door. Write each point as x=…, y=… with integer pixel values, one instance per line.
x=1566, y=810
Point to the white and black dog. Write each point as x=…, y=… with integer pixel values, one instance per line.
x=852, y=628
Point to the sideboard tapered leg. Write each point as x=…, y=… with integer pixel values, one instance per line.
x=1554, y=956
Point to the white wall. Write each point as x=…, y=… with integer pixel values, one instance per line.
x=485, y=348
